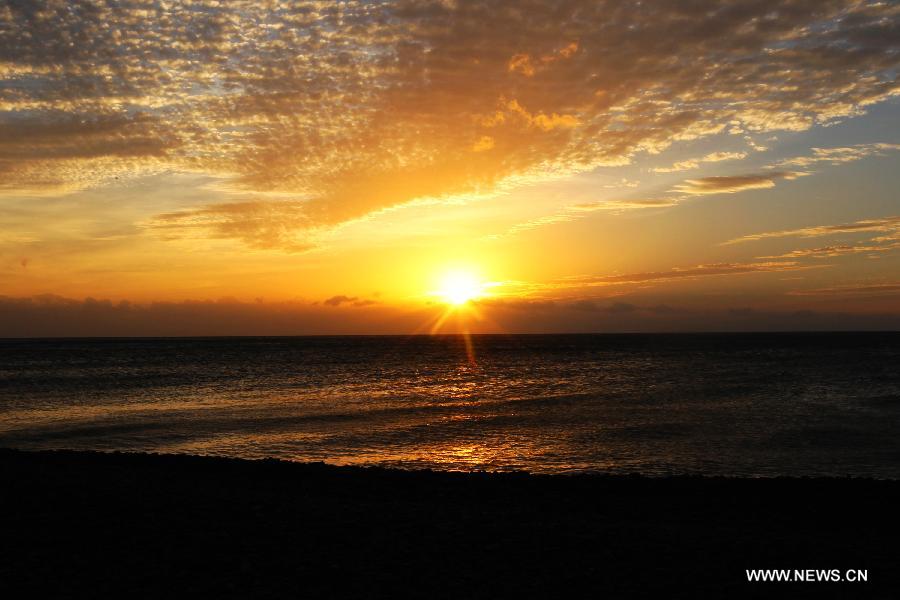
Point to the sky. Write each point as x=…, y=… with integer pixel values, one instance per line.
x=273, y=167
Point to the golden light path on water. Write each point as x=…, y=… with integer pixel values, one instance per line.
x=536, y=403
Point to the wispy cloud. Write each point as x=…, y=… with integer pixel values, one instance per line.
x=836, y=250
x=770, y=174
x=260, y=224
x=881, y=235
x=872, y=288
x=839, y=155
x=356, y=301
x=711, y=270
x=694, y=163
x=629, y=204
x=886, y=224
x=577, y=211
x=730, y=184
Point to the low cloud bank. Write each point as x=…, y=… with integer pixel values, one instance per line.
x=52, y=316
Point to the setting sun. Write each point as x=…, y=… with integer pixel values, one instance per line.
x=459, y=287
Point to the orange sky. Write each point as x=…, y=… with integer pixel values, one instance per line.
x=312, y=167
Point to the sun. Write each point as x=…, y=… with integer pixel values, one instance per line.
x=459, y=287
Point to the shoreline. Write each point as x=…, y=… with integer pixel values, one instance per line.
x=143, y=525
x=498, y=334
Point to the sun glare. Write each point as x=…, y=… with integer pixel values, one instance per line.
x=458, y=287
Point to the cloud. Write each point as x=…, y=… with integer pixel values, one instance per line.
x=544, y=122
x=869, y=228
x=634, y=203
x=886, y=224
x=338, y=300
x=259, y=224
x=738, y=183
x=874, y=288
x=60, y=152
x=357, y=106
x=567, y=215
x=835, y=250
x=617, y=308
x=55, y=316
x=483, y=143
x=840, y=155
x=717, y=269
x=730, y=184
x=351, y=300
x=578, y=211
x=695, y=163
x=50, y=315
x=525, y=65
x=517, y=304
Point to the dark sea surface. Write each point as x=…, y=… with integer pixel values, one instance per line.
x=726, y=404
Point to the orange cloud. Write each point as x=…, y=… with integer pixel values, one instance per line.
x=361, y=108
x=521, y=63
x=259, y=224
x=832, y=251
x=485, y=142
x=57, y=316
x=524, y=65
x=694, y=163
x=886, y=224
x=716, y=269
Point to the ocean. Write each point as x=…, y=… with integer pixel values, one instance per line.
x=715, y=404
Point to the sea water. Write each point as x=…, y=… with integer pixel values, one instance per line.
x=717, y=404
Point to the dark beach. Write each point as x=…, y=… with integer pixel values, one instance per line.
x=133, y=525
